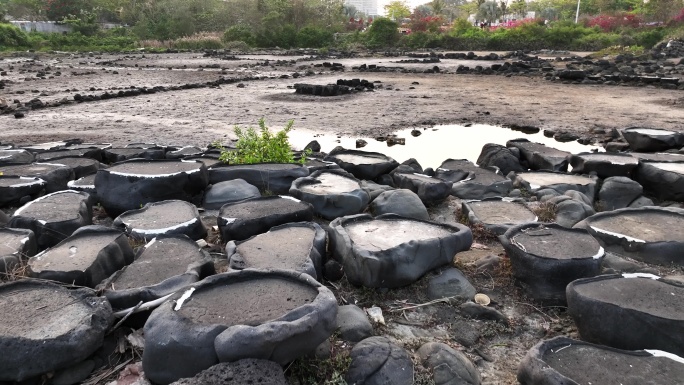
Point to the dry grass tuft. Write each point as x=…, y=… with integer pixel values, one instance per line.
x=546, y=212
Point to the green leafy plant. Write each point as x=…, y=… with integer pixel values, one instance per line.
x=261, y=146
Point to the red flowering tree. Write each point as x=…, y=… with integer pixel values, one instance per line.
x=611, y=23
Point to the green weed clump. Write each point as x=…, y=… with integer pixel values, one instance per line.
x=11, y=36
x=261, y=146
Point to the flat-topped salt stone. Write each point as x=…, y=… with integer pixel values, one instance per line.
x=332, y=193
x=566, y=361
x=55, y=176
x=208, y=161
x=81, y=166
x=133, y=183
x=657, y=157
x=393, y=251
x=92, y=153
x=49, y=146
x=85, y=184
x=539, y=156
x=329, y=182
x=498, y=215
x=473, y=172
x=605, y=165
x=629, y=311
x=293, y=246
x=277, y=315
x=54, y=217
x=165, y=265
x=677, y=168
x=649, y=234
x=473, y=182
x=274, y=177
x=48, y=327
x=115, y=155
x=652, y=139
x=241, y=220
x=16, y=156
x=14, y=188
x=546, y=257
x=15, y=245
x=664, y=180
x=183, y=152
x=87, y=257
x=428, y=189
x=171, y=217
x=314, y=164
x=560, y=182
x=362, y=164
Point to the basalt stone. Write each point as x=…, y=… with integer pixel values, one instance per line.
x=56, y=176
x=318, y=165
x=86, y=185
x=619, y=192
x=171, y=217
x=377, y=361
x=54, y=217
x=497, y=215
x=569, y=212
x=273, y=315
x=14, y=188
x=450, y=283
x=392, y=251
x=241, y=220
x=81, y=166
x=116, y=155
x=375, y=189
x=428, y=189
x=362, y=164
x=561, y=361
x=473, y=182
x=353, y=324
x=95, y=153
x=48, y=327
x=132, y=184
x=86, y=258
x=603, y=164
x=664, y=180
x=652, y=139
x=14, y=156
x=648, y=234
x=401, y=202
x=448, y=366
x=15, y=245
x=274, y=177
x=164, y=266
x=293, y=246
x=332, y=193
x=560, y=182
x=228, y=192
x=52, y=146
x=247, y=371
x=184, y=152
x=546, y=258
x=499, y=156
x=539, y=156
x=629, y=311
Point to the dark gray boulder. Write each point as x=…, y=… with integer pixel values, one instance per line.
x=353, y=324
x=241, y=220
x=375, y=189
x=81, y=166
x=429, y=190
x=473, y=182
x=56, y=176
x=48, y=328
x=538, y=156
x=629, y=311
x=132, y=184
x=652, y=139
x=14, y=188
x=15, y=245
x=297, y=246
x=14, y=156
x=246, y=371
x=450, y=283
x=393, y=251
x=564, y=361
x=570, y=211
x=605, y=165
x=618, y=192
x=377, y=361
x=172, y=217
x=274, y=315
x=274, y=177
x=362, y=164
x=663, y=180
x=546, y=258
x=86, y=258
x=332, y=193
x=401, y=202
x=497, y=215
x=534, y=181
x=499, y=156
x=448, y=366
x=228, y=192
x=54, y=217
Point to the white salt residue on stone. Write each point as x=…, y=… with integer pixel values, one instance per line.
x=626, y=237
x=290, y=198
x=600, y=253
x=640, y=275
x=660, y=353
x=31, y=183
x=153, y=176
x=163, y=230
x=229, y=220
x=150, y=243
x=183, y=298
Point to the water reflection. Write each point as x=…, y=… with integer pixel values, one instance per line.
x=436, y=144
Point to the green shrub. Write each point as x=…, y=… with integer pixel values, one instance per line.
x=382, y=33
x=314, y=37
x=262, y=146
x=237, y=45
x=12, y=37
x=239, y=32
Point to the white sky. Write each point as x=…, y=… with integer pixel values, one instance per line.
x=411, y=3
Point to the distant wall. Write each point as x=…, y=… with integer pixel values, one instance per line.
x=52, y=26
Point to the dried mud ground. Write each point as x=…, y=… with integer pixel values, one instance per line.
x=405, y=100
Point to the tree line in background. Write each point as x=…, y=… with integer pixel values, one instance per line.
x=241, y=24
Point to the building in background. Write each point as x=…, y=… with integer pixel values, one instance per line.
x=369, y=7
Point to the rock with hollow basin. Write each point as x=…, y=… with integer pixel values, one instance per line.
x=165, y=265
x=429, y=189
x=81, y=166
x=393, y=251
x=171, y=217
x=332, y=193
x=562, y=360
x=498, y=215
x=546, y=257
x=274, y=177
x=15, y=245
x=362, y=164
x=115, y=155
x=652, y=139
x=605, y=165
x=241, y=220
x=86, y=185
x=278, y=315
x=293, y=246
x=629, y=311
x=560, y=182
x=54, y=217
x=14, y=188
x=48, y=327
x=664, y=180
x=539, y=156
x=86, y=258
x=648, y=234
x=132, y=184
x=473, y=182
x=56, y=176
